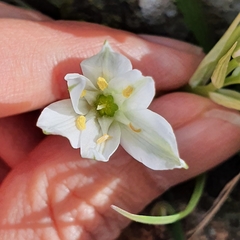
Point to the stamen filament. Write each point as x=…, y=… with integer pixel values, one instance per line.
x=99, y=107
x=134, y=129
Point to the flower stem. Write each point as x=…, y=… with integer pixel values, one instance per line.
x=200, y=90
x=175, y=229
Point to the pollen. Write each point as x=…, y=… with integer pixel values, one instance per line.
x=102, y=83
x=83, y=93
x=81, y=123
x=103, y=138
x=127, y=91
x=134, y=129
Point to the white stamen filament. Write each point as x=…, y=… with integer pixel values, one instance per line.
x=99, y=107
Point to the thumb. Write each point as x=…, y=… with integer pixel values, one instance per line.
x=56, y=193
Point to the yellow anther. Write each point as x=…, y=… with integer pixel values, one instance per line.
x=81, y=123
x=103, y=138
x=127, y=91
x=83, y=93
x=102, y=83
x=134, y=129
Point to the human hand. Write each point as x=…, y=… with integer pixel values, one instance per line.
x=50, y=192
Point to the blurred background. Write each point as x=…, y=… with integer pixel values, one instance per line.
x=161, y=17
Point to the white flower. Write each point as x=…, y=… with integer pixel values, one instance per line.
x=107, y=107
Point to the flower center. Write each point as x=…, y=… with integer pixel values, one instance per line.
x=106, y=106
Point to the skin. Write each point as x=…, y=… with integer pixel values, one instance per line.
x=47, y=190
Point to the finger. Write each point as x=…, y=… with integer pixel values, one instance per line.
x=32, y=74
x=75, y=195
x=9, y=11
x=19, y=135
x=57, y=193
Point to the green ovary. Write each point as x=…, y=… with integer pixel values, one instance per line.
x=105, y=105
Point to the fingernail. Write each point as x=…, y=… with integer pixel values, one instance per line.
x=173, y=43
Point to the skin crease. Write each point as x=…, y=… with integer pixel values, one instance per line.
x=50, y=192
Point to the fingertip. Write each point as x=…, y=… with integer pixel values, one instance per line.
x=180, y=108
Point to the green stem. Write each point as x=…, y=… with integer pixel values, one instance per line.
x=176, y=231
x=200, y=90
x=198, y=190
x=164, y=208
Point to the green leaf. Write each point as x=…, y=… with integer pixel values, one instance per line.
x=234, y=78
x=227, y=98
x=57, y=3
x=206, y=67
x=236, y=52
x=236, y=71
x=234, y=63
x=172, y=218
x=220, y=71
x=195, y=20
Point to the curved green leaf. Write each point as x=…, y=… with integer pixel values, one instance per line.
x=172, y=218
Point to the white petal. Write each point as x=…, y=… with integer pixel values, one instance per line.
x=153, y=142
x=82, y=106
x=111, y=145
x=99, y=151
x=105, y=123
x=143, y=90
x=91, y=97
x=59, y=118
x=76, y=85
x=107, y=64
